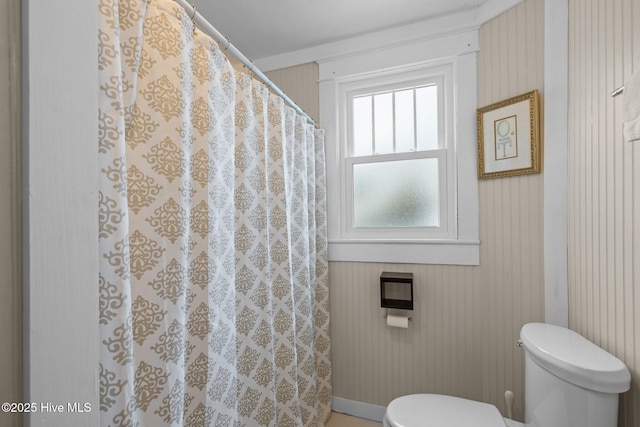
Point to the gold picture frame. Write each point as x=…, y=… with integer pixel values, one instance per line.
x=508, y=137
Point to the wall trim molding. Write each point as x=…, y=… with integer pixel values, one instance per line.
x=453, y=23
x=11, y=312
x=354, y=408
x=459, y=246
x=60, y=187
x=556, y=210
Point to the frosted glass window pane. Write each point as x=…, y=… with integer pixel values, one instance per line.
x=362, y=126
x=404, y=121
x=383, y=123
x=401, y=193
x=427, y=117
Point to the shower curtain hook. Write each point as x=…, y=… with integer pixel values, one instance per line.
x=193, y=17
x=228, y=43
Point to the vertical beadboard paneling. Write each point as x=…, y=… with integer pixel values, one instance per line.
x=466, y=320
x=374, y=363
x=10, y=237
x=511, y=215
x=300, y=83
x=604, y=186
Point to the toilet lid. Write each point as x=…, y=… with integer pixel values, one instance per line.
x=575, y=359
x=435, y=410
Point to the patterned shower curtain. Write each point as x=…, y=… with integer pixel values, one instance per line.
x=213, y=269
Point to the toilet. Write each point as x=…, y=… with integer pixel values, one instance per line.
x=569, y=382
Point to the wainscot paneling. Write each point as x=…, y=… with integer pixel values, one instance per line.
x=466, y=321
x=300, y=83
x=604, y=186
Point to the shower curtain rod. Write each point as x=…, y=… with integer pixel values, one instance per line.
x=211, y=31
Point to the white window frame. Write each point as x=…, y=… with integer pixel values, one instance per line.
x=460, y=244
x=392, y=80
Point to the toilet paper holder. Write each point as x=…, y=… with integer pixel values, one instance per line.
x=396, y=290
x=408, y=318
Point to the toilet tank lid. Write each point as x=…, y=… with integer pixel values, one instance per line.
x=572, y=357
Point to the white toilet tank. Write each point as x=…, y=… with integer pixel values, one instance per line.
x=569, y=381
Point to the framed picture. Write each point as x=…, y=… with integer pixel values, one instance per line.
x=508, y=137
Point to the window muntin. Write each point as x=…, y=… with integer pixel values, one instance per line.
x=396, y=121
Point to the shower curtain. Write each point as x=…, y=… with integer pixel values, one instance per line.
x=213, y=268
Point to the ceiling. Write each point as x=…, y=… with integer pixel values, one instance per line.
x=264, y=28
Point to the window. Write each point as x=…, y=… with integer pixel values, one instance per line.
x=396, y=162
x=402, y=153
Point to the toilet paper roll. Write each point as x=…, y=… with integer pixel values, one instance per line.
x=397, y=321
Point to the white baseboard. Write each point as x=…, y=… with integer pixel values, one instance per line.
x=354, y=408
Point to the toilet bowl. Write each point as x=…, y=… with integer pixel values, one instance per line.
x=569, y=382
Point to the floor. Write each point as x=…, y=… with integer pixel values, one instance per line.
x=342, y=420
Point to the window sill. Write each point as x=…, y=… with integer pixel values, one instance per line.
x=449, y=252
